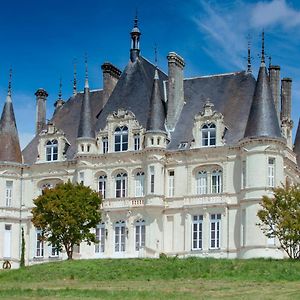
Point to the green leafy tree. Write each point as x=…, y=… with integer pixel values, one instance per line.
x=65, y=214
x=280, y=218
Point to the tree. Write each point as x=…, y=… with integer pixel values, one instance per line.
x=65, y=214
x=280, y=218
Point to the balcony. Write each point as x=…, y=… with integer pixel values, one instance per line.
x=206, y=200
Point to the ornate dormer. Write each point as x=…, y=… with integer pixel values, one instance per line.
x=209, y=128
x=53, y=144
x=121, y=133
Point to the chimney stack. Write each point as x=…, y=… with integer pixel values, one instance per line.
x=286, y=98
x=274, y=77
x=175, y=88
x=41, y=98
x=111, y=75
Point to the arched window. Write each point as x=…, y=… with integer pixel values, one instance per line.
x=120, y=236
x=201, y=179
x=139, y=184
x=140, y=234
x=100, y=238
x=52, y=150
x=121, y=139
x=208, y=135
x=102, y=185
x=216, y=181
x=121, y=185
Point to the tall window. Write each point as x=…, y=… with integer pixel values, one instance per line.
x=100, y=238
x=215, y=228
x=137, y=142
x=271, y=172
x=171, y=182
x=216, y=182
x=151, y=179
x=52, y=150
x=139, y=184
x=54, y=251
x=208, y=134
x=102, y=185
x=121, y=139
x=105, y=144
x=8, y=193
x=120, y=236
x=140, y=233
x=244, y=172
x=201, y=182
x=121, y=185
x=39, y=252
x=197, y=232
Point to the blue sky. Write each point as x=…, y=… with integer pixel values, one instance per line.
x=40, y=39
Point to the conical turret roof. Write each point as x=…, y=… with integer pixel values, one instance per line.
x=156, y=118
x=10, y=146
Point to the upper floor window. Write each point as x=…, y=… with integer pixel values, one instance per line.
x=121, y=139
x=209, y=181
x=8, y=193
x=105, y=144
x=102, y=185
x=216, y=181
x=171, y=183
x=139, y=184
x=52, y=150
x=208, y=134
x=201, y=182
x=152, y=179
x=271, y=172
x=121, y=185
x=137, y=142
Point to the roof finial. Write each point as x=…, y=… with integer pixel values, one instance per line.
x=270, y=61
x=155, y=54
x=136, y=18
x=60, y=89
x=263, y=47
x=9, y=81
x=75, y=78
x=249, y=66
x=86, y=72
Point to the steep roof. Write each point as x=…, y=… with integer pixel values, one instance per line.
x=231, y=95
x=297, y=144
x=157, y=113
x=262, y=121
x=132, y=92
x=10, y=146
x=67, y=119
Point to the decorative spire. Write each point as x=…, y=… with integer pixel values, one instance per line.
x=249, y=66
x=135, y=40
x=270, y=61
x=263, y=47
x=155, y=54
x=9, y=85
x=86, y=85
x=75, y=79
x=60, y=89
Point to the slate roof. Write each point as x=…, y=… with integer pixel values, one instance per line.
x=10, y=150
x=263, y=119
x=297, y=144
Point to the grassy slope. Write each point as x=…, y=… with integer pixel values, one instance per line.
x=155, y=279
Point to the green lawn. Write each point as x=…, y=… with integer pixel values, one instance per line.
x=170, y=278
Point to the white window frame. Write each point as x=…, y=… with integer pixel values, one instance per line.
x=51, y=150
x=121, y=139
x=139, y=184
x=215, y=231
x=137, y=141
x=102, y=180
x=271, y=171
x=140, y=234
x=171, y=183
x=121, y=185
x=216, y=182
x=152, y=179
x=208, y=135
x=8, y=192
x=244, y=174
x=202, y=182
x=100, y=232
x=39, y=244
x=197, y=232
x=54, y=251
x=105, y=144
x=120, y=236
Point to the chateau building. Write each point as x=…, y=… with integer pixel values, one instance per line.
x=181, y=163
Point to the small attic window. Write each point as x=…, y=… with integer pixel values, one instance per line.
x=183, y=145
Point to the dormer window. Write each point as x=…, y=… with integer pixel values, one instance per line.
x=208, y=132
x=121, y=139
x=137, y=142
x=52, y=150
x=105, y=144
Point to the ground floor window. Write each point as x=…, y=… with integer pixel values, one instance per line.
x=140, y=233
x=39, y=251
x=197, y=232
x=100, y=238
x=120, y=236
x=215, y=228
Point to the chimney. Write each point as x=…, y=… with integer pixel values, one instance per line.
x=175, y=88
x=274, y=77
x=41, y=97
x=111, y=75
x=286, y=99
